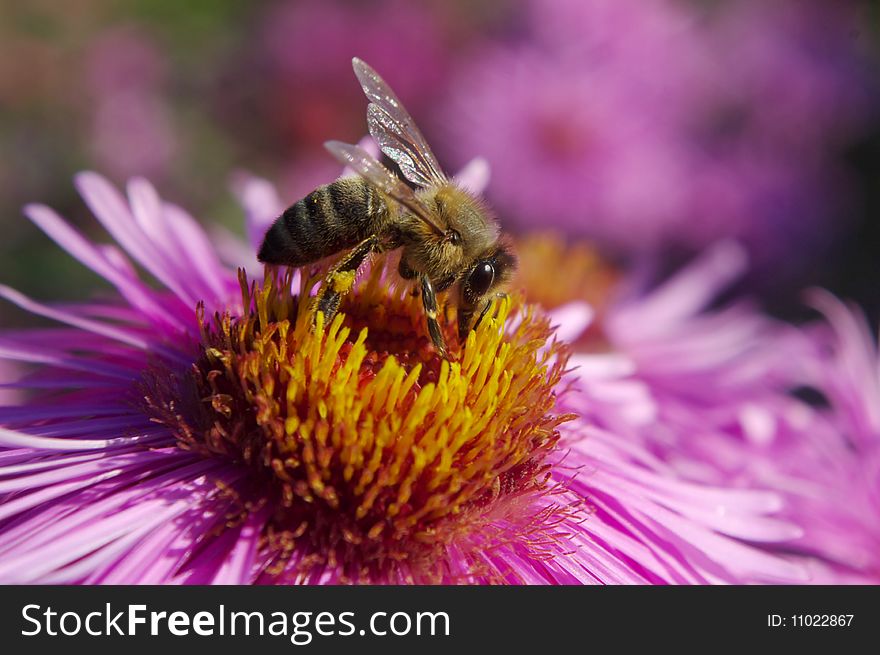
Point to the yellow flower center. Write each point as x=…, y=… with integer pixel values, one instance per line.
x=376, y=456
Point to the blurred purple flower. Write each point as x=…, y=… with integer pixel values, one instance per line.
x=653, y=46
x=645, y=124
x=94, y=491
x=132, y=128
x=123, y=58
x=788, y=90
x=314, y=40
x=308, y=49
x=792, y=74
x=585, y=157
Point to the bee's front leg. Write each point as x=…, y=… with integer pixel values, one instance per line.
x=340, y=279
x=484, y=311
x=466, y=322
x=429, y=301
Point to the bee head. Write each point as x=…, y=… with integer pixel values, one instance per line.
x=489, y=273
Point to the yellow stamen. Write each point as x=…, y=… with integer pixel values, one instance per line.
x=377, y=454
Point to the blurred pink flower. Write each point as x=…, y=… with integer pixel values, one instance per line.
x=650, y=123
x=122, y=58
x=132, y=132
x=308, y=47
x=793, y=74
x=789, y=87
x=655, y=47
x=569, y=149
x=313, y=41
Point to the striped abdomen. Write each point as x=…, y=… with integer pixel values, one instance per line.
x=331, y=218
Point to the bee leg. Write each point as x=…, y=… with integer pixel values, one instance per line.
x=429, y=301
x=340, y=279
x=482, y=314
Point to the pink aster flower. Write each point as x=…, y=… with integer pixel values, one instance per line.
x=199, y=432
x=708, y=394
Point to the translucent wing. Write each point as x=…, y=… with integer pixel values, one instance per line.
x=380, y=177
x=395, y=131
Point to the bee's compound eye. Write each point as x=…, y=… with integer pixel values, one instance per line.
x=481, y=278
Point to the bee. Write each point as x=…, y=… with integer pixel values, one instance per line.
x=448, y=239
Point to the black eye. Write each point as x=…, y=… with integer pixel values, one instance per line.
x=481, y=278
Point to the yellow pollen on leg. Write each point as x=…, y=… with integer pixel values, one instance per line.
x=342, y=281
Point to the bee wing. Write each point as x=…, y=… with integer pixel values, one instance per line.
x=395, y=131
x=380, y=177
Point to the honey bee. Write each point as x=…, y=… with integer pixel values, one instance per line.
x=447, y=237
